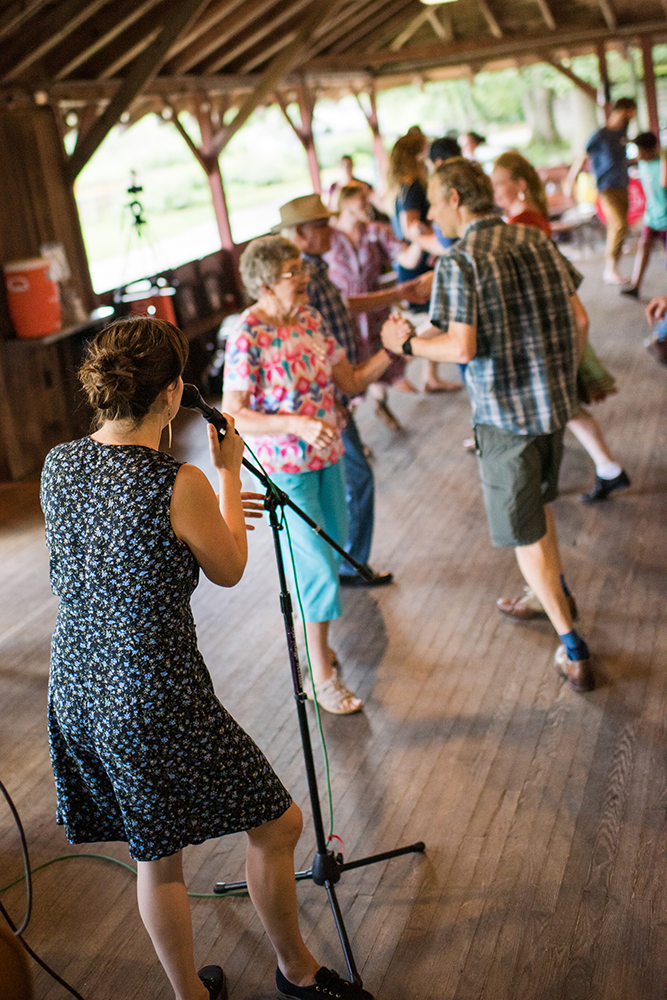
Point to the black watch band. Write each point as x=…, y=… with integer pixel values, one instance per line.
x=407, y=345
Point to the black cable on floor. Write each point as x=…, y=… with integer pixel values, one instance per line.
x=18, y=931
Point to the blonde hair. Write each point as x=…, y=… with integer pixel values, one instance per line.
x=405, y=165
x=519, y=168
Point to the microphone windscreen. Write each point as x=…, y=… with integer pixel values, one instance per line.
x=191, y=398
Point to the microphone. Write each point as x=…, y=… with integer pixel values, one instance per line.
x=192, y=400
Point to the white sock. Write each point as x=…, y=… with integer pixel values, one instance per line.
x=608, y=470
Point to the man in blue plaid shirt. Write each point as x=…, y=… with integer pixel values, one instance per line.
x=506, y=299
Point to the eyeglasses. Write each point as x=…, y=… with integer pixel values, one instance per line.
x=296, y=272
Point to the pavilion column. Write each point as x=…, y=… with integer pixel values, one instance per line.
x=379, y=151
x=605, y=83
x=304, y=130
x=649, y=84
x=211, y=164
x=207, y=158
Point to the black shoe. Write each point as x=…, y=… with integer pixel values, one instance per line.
x=215, y=981
x=327, y=984
x=603, y=487
x=354, y=580
x=632, y=292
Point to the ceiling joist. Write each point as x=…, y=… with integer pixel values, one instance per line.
x=143, y=69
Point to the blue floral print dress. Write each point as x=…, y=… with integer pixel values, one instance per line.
x=142, y=750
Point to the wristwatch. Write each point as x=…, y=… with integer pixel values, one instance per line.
x=407, y=345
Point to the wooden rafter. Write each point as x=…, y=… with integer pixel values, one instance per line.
x=490, y=18
x=453, y=53
x=583, y=85
x=128, y=55
x=354, y=13
x=18, y=14
x=281, y=42
x=279, y=67
x=64, y=20
x=442, y=26
x=407, y=32
x=114, y=29
x=143, y=69
x=385, y=34
x=608, y=14
x=217, y=38
x=368, y=24
x=545, y=10
x=213, y=14
x=286, y=13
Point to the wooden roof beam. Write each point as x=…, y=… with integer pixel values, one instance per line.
x=442, y=26
x=129, y=55
x=53, y=29
x=583, y=85
x=286, y=13
x=210, y=17
x=369, y=24
x=409, y=31
x=385, y=34
x=464, y=50
x=353, y=14
x=489, y=16
x=17, y=15
x=546, y=14
x=608, y=14
x=277, y=70
x=115, y=29
x=217, y=38
x=143, y=69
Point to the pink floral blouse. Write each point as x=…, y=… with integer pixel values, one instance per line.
x=286, y=370
x=356, y=270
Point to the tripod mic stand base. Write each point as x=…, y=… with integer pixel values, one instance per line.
x=329, y=870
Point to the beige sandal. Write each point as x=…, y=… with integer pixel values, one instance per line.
x=334, y=697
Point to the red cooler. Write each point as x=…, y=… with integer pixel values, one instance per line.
x=33, y=297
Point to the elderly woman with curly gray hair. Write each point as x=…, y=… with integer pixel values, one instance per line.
x=281, y=369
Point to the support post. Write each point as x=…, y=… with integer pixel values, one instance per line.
x=605, y=97
x=211, y=164
x=649, y=84
x=304, y=130
x=208, y=161
x=379, y=152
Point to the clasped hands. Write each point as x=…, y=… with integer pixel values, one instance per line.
x=395, y=332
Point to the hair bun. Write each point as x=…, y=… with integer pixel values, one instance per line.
x=109, y=378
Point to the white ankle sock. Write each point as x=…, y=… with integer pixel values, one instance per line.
x=608, y=470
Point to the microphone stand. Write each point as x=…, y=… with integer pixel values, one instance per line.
x=327, y=867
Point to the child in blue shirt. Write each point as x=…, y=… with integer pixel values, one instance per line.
x=653, y=175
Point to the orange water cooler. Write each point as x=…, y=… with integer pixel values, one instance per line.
x=33, y=297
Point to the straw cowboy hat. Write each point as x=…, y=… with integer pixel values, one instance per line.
x=308, y=208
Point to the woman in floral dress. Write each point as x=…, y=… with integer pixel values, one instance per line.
x=142, y=750
x=280, y=371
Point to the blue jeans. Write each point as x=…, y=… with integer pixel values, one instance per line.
x=661, y=330
x=360, y=492
x=321, y=495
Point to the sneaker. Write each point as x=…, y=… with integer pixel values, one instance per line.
x=215, y=981
x=327, y=984
x=603, y=487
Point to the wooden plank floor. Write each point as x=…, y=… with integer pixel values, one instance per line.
x=543, y=811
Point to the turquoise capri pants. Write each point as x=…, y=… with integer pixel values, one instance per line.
x=321, y=494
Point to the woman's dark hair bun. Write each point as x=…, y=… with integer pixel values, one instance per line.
x=109, y=379
x=129, y=364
